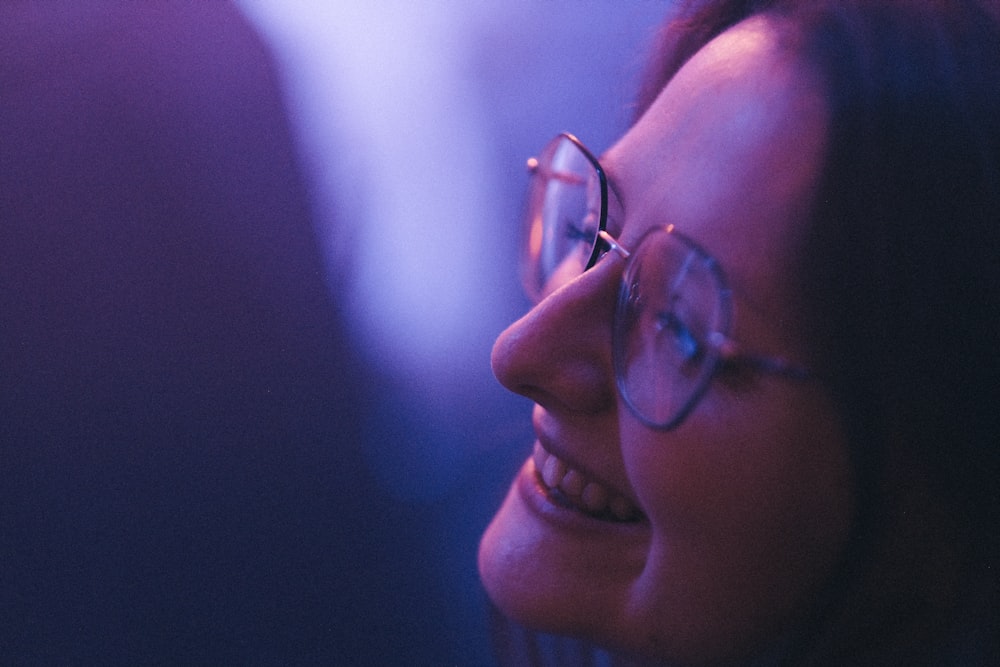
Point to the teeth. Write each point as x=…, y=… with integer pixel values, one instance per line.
x=553, y=472
x=573, y=483
x=622, y=509
x=586, y=495
x=595, y=497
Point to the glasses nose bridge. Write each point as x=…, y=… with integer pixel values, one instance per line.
x=612, y=244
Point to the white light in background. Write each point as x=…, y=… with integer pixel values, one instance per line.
x=407, y=114
x=402, y=172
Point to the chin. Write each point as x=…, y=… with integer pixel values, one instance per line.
x=555, y=572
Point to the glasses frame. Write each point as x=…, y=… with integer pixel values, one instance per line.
x=721, y=348
x=533, y=166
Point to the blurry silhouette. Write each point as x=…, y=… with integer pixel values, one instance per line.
x=180, y=477
x=197, y=462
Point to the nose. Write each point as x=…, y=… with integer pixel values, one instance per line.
x=559, y=354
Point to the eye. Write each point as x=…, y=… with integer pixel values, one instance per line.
x=683, y=340
x=581, y=231
x=580, y=234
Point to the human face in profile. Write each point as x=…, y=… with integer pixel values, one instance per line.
x=706, y=540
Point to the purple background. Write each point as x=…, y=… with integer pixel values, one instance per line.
x=250, y=274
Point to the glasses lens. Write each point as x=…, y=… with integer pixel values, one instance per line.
x=670, y=304
x=562, y=219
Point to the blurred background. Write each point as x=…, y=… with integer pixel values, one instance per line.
x=178, y=485
x=416, y=121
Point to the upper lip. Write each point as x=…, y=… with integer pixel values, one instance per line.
x=555, y=446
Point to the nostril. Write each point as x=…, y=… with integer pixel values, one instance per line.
x=559, y=377
x=537, y=395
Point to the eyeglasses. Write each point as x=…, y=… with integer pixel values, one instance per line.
x=674, y=310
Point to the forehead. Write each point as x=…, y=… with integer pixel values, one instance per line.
x=729, y=153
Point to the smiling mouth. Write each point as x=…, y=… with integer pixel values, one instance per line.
x=572, y=489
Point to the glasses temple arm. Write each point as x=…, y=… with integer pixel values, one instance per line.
x=729, y=351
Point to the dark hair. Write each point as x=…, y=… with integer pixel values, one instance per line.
x=902, y=273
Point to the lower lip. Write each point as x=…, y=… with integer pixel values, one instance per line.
x=538, y=499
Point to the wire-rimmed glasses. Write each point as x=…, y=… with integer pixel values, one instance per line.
x=674, y=310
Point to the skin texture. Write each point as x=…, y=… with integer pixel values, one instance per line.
x=747, y=505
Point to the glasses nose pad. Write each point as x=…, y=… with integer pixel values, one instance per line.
x=609, y=244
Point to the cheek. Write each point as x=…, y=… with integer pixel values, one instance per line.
x=738, y=466
x=749, y=516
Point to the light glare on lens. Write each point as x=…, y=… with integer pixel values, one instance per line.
x=535, y=237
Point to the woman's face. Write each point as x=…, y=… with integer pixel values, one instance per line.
x=744, y=508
